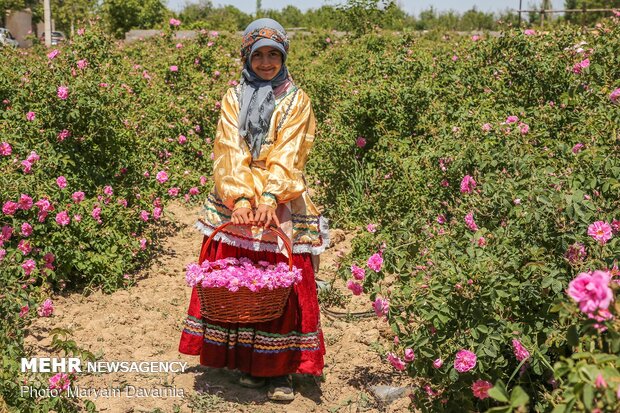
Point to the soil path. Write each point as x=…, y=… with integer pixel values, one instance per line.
x=143, y=323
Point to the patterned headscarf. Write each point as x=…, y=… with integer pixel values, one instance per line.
x=257, y=101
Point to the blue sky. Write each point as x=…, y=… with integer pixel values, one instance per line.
x=410, y=6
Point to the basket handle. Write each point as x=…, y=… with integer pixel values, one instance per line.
x=277, y=230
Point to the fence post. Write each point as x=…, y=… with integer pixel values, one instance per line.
x=583, y=15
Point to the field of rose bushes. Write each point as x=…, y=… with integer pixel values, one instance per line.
x=484, y=171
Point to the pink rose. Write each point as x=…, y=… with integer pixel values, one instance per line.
x=63, y=92
x=467, y=184
x=481, y=388
x=371, y=228
x=26, y=229
x=375, y=262
x=438, y=363
x=395, y=361
x=63, y=134
x=615, y=95
x=355, y=288
x=62, y=218
x=30, y=116
x=174, y=22
x=61, y=181
x=519, y=350
x=360, y=142
x=486, y=127
x=46, y=309
x=591, y=291
x=577, y=148
x=53, y=54
x=5, y=149
x=59, y=381
x=161, y=177
x=182, y=139
x=511, y=119
x=78, y=197
x=601, y=231
x=358, y=273
x=465, y=361
x=29, y=266
x=82, y=64
x=381, y=307
x=174, y=68
x=409, y=355
x=469, y=221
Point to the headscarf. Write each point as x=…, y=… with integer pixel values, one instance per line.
x=257, y=101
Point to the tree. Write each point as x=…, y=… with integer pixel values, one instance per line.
x=66, y=13
x=193, y=12
x=124, y=15
x=591, y=17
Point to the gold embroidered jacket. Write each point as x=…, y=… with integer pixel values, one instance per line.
x=275, y=178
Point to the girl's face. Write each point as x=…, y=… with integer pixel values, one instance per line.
x=266, y=62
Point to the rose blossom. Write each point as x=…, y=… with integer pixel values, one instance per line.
x=465, y=361
x=62, y=218
x=29, y=266
x=23, y=311
x=520, y=351
x=438, y=363
x=5, y=149
x=591, y=291
x=96, y=214
x=375, y=262
x=82, y=64
x=61, y=181
x=381, y=307
x=360, y=142
x=467, y=184
x=31, y=116
x=26, y=229
x=174, y=22
x=78, y=197
x=358, y=273
x=481, y=388
x=395, y=361
x=486, y=127
x=372, y=228
x=161, y=177
x=9, y=208
x=409, y=355
x=615, y=95
x=174, y=68
x=577, y=148
x=24, y=246
x=511, y=119
x=63, y=134
x=469, y=221
x=600, y=231
x=63, y=92
x=59, y=381
x=108, y=190
x=174, y=191
x=53, y=54
x=182, y=139
x=355, y=288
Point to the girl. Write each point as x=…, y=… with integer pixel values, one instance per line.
x=264, y=134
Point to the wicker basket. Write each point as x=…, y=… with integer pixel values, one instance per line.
x=244, y=305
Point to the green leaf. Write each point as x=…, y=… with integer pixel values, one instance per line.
x=519, y=397
x=498, y=392
x=588, y=396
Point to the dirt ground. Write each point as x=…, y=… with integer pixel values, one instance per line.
x=143, y=323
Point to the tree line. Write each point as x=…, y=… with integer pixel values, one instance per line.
x=120, y=16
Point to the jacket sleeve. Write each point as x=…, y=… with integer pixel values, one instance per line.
x=231, y=167
x=287, y=159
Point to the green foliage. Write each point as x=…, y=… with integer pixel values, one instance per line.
x=124, y=15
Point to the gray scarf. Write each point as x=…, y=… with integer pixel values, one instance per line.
x=257, y=105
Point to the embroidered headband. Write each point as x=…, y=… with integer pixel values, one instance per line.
x=269, y=33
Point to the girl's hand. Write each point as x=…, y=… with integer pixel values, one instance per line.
x=242, y=216
x=266, y=215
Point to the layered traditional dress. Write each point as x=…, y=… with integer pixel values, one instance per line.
x=292, y=343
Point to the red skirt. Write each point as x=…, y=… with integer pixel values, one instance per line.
x=292, y=343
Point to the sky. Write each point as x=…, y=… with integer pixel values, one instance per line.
x=410, y=6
